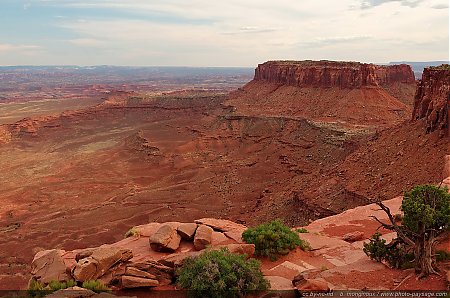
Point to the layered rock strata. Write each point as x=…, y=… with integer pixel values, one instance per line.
x=332, y=74
x=432, y=98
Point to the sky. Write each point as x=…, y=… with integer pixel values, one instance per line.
x=220, y=33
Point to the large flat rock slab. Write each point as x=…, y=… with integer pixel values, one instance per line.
x=221, y=225
x=359, y=217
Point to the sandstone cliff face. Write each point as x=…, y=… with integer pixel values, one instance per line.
x=432, y=98
x=332, y=74
x=352, y=93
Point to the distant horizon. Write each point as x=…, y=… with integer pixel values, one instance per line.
x=186, y=66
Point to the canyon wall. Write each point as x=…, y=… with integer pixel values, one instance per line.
x=332, y=74
x=432, y=98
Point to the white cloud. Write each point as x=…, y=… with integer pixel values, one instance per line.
x=373, y=3
x=19, y=48
x=440, y=6
x=245, y=32
x=88, y=42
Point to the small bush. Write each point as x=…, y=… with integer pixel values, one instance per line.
x=376, y=248
x=442, y=256
x=36, y=289
x=302, y=231
x=273, y=239
x=132, y=232
x=221, y=274
x=55, y=285
x=96, y=286
x=394, y=254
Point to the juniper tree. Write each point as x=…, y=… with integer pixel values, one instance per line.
x=426, y=219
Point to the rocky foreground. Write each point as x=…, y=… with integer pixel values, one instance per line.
x=149, y=256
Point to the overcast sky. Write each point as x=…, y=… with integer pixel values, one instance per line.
x=220, y=33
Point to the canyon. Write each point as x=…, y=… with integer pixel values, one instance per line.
x=301, y=141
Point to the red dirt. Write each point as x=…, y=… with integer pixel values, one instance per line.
x=388, y=278
x=367, y=106
x=84, y=178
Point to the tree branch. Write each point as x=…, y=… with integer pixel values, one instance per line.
x=393, y=226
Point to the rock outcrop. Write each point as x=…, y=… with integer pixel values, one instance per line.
x=350, y=93
x=432, y=98
x=187, y=230
x=165, y=239
x=99, y=261
x=331, y=264
x=49, y=265
x=353, y=236
x=303, y=284
x=149, y=258
x=203, y=237
x=332, y=74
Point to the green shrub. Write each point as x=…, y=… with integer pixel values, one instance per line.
x=302, y=231
x=36, y=289
x=273, y=239
x=394, y=254
x=442, y=256
x=131, y=233
x=221, y=274
x=376, y=249
x=96, y=286
x=55, y=285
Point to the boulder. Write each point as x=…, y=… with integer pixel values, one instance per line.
x=219, y=238
x=163, y=274
x=132, y=271
x=113, y=275
x=84, y=254
x=187, y=230
x=166, y=238
x=49, y=265
x=279, y=283
x=317, y=284
x=236, y=235
x=129, y=282
x=306, y=284
x=99, y=262
x=176, y=260
x=203, y=237
x=353, y=236
x=221, y=225
x=230, y=229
